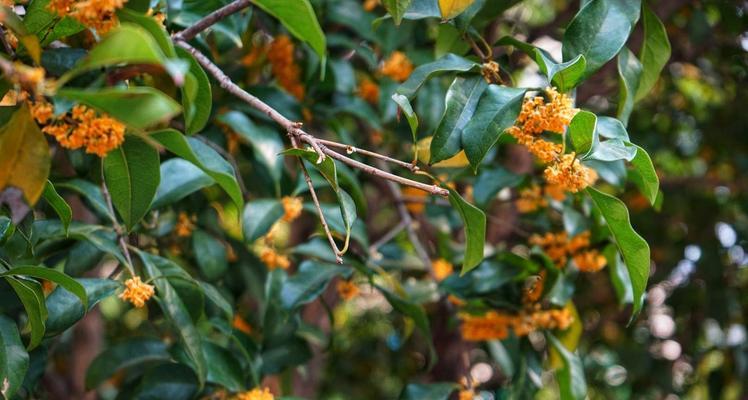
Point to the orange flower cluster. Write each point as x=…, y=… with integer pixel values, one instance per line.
x=533, y=198
x=497, y=324
x=241, y=325
x=81, y=127
x=185, y=225
x=96, y=14
x=256, y=394
x=347, y=289
x=273, y=260
x=292, y=207
x=369, y=91
x=538, y=116
x=442, y=269
x=397, y=66
x=370, y=4
x=137, y=292
x=285, y=70
x=559, y=248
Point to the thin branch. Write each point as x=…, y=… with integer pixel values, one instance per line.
x=353, y=149
x=210, y=19
x=294, y=128
x=406, y=218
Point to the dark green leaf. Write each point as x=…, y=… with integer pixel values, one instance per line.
x=570, y=377
x=461, y=102
x=212, y=293
x=644, y=175
x=583, y=133
x=184, y=178
x=496, y=111
x=223, y=368
x=197, y=95
x=475, y=230
x=654, y=53
x=619, y=275
x=259, y=216
x=428, y=391
x=209, y=254
x=413, y=311
x=299, y=18
x=65, y=309
x=167, y=381
x=448, y=63
x=89, y=191
x=59, y=204
x=138, y=107
x=132, y=176
x=491, y=181
x=52, y=275
x=31, y=296
x=404, y=104
x=565, y=76
x=134, y=352
x=599, y=31
x=629, y=72
x=205, y=158
x=47, y=25
x=266, y=142
x=308, y=283
x=634, y=249
x=14, y=360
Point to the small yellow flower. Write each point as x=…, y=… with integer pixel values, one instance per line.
x=442, y=269
x=530, y=200
x=397, y=66
x=185, y=225
x=569, y=173
x=256, y=394
x=292, y=207
x=137, y=292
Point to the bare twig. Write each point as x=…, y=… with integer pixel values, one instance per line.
x=210, y=19
x=353, y=149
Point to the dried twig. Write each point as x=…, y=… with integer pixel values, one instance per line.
x=210, y=19
x=353, y=149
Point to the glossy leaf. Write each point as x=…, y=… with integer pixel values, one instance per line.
x=65, y=309
x=205, y=158
x=197, y=96
x=634, y=249
x=167, y=381
x=130, y=353
x=51, y=275
x=210, y=255
x=223, y=368
x=491, y=181
x=497, y=110
x=59, y=204
x=265, y=141
x=599, y=31
x=31, y=296
x=24, y=155
x=583, y=133
x=629, y=72
x=475, y=230
x=619, y=275
x=132, y=175
x=428, y=391
x=448, y=63
x=299, y=18
x=407, y=110
x=89, y=191
x=156, y=30
x=396, y=8
x=308, y=283
x=644, y=175
x=182, y=178
x=570, y=377
x=564, y=76
x=655, y=52
x=461, y=101
x=14, y=360
x=415, y=312
x=259, y=216
x=138, y=107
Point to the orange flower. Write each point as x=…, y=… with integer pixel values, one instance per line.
x=369, y=5
x=273, y=260
x=558, y=247
x=442, y=269
x=96, y=14
x=414, y=199
x=569, y=173
x=81, y=128
x=397, y=66
x=137, y=292
x=497, y=324
x=185, y=225
x=292, y=207
x=285, y=70
x=590, y=261
x=347, y=289
x=240, y=324
x=369, y=91
x=256, y=394
x=530, y=200
x=534, y=289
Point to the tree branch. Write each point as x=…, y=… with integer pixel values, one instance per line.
x=210, y=19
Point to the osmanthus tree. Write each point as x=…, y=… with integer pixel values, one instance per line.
x=199, y=167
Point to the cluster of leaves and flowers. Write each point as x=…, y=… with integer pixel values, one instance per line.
x=204, y=178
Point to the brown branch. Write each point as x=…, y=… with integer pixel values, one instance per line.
x=353, y=149
x=210, y=19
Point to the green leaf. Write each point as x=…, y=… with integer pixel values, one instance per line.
x=14, y=360
x=299, y=18
x=599, y=31
x=259, y=216
x=397, y=9
x=90, y=192
x=127, y=44
x=611, y=128
x=52, y=275
x=612, y=150
x=461, y=102
x=223, y=368
x=7, y=229
x=619, y=275
x=47, y=25
x=210, y=255
x=654, y=54
x=404, y=104
x=176, y=312
x=564, y=76
x=65, y=309
x=153, y=27
x=138, y=107
x=634, y=249
x=266, y=142
x=59, y=204
x=491, y=181
x=475, y=230
x=629, y=71
x=308, y=283
x=129, y=353
x=184, y=178
x=448, y=63
x=496, y=111
x=197, y=95
x=205, y=158
x=644, y=175
x=24, y=155
x=428, y=391
x=416, y=313
x=132, y=175
x=583, y=133
x=31, y=296
x=570, y=377
x=167, y=381
x=212, y=293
